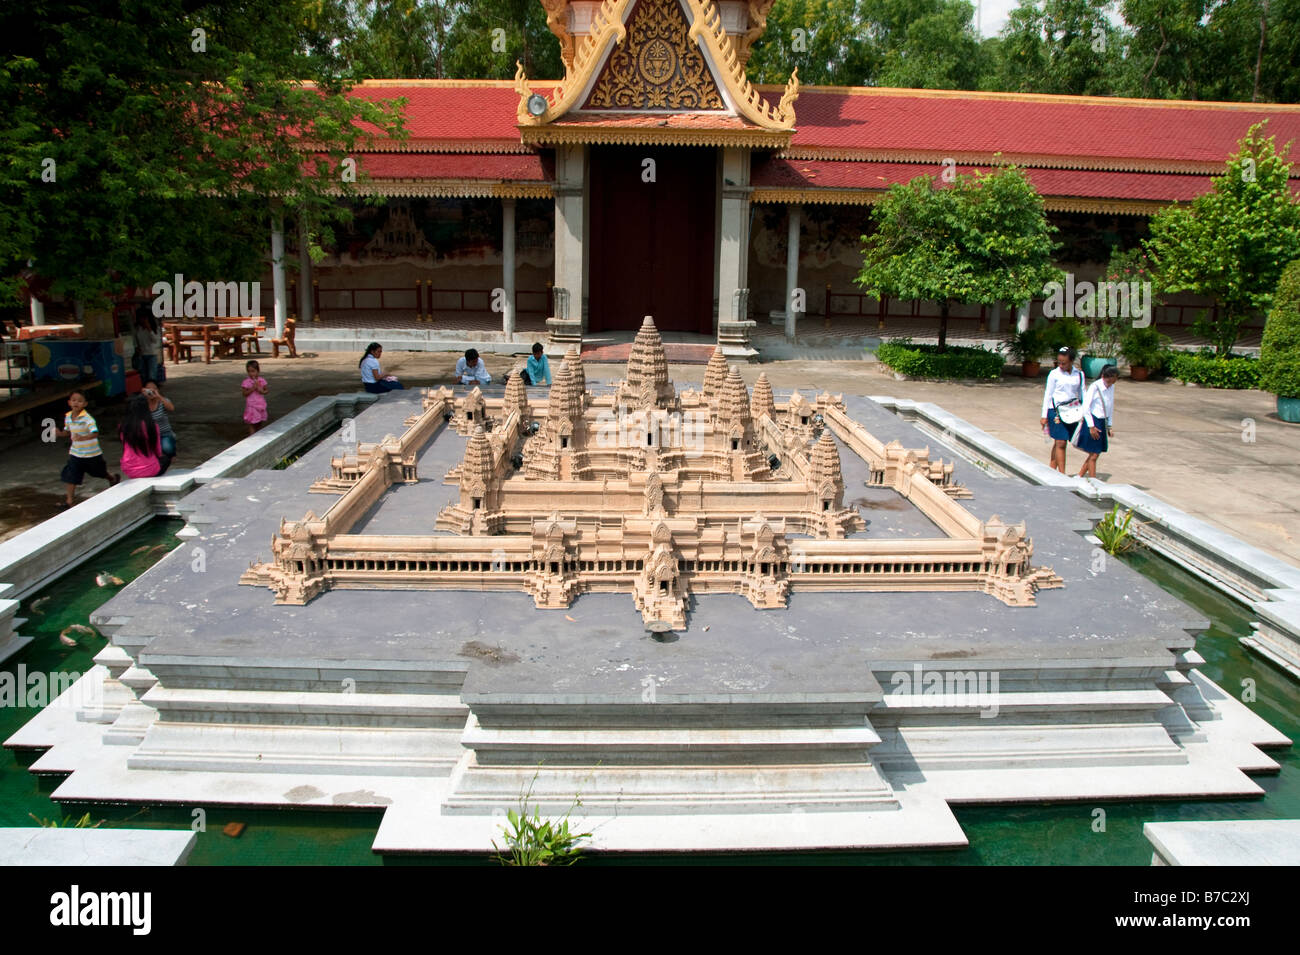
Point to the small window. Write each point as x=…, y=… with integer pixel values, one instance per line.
x=663, y=586
x=826, y=505
x=478, y=503
x=469, y=416
x=804, y=419
x=564, y=442
x=735, y=444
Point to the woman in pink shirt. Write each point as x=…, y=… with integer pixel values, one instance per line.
x=141, y=443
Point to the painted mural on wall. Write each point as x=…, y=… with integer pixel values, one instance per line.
x=829, y=238
x=443, y=233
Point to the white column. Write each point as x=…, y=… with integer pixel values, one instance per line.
x=995, y=317
x=569, y=224
x=277, y=273
x=1022, y=317
x=306, y=302
x=38, y=311
x=733, y=237
x=508, y=266
x=791, y=271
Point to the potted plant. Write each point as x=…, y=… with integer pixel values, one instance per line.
x=1279, y=352
x=1026, y=347
x=1104, y=336
x=1065, y=333
x=1143, y=349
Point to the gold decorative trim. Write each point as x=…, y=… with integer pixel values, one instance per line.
x=656, y=67
x=707, y=26
x=867, y=197
x=758, y=11
x=492, y=147
x=556, y=15
x=822, y=197
x=450, y=189
x=589, y=55
x=653, y=135
x=1032, y=160
x=1123, y=207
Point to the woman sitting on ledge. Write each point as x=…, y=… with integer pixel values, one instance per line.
x=372, y=376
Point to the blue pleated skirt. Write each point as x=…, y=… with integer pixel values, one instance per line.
x=1086, y=441
x=1057, y=428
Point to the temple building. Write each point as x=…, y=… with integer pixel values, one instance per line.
x=654, y=178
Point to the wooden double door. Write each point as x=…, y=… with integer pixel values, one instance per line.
x=652, y=231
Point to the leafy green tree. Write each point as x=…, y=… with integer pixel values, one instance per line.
x=1231, y=243
x=1279, y=353
x=1061, y=46
x=142, y=139
x=475, y=48
x=983, y=239
x=827, y=40
x=1167, y=42
x=939, y=51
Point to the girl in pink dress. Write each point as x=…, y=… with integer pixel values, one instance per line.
x=141, y=444
x=254, y=388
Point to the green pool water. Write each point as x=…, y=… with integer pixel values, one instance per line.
x=1022, y=835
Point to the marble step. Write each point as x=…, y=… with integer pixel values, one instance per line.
x=995, y=746
x=217, y=747
x=279, y=708
x=670, y=789
x=621, y=746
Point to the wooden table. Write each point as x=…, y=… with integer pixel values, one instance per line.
x=184, y=335
x=221, y=339
x=231, y=338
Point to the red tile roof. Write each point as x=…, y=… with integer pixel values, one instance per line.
x=1168, y=148
x=1072, y=132
x=453, y=115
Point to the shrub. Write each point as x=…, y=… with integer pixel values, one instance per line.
x=1206, y=368
x=1145, y=347
x=1024, y=346
x=1065, y=332
x=1279, y=353
x=926, y=361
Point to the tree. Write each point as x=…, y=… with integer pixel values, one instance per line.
x=940, y=51
x=1061, y=46
x=984, y=239
x=1231, y=243
x=143, y=139
x=1279, y=353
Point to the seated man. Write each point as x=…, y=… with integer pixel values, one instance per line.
x=470, y=371
x=538, y=369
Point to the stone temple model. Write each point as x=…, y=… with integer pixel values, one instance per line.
x=647, y=491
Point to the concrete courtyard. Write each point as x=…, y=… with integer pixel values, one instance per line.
x=1222, y=456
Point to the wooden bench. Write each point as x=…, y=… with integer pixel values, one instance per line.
x=43, y=394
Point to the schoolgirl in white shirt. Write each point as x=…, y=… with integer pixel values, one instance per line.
x=1062, y=399
x=1098, y=416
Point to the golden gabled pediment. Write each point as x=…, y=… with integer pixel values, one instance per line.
x=657, y=56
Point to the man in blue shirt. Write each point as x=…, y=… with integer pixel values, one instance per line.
x=538, y=369
x=470, y=370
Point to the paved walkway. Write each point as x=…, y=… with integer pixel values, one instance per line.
x=1189, y=446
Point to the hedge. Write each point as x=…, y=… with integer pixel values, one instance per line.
x=926, y=361
x=1213, y=372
